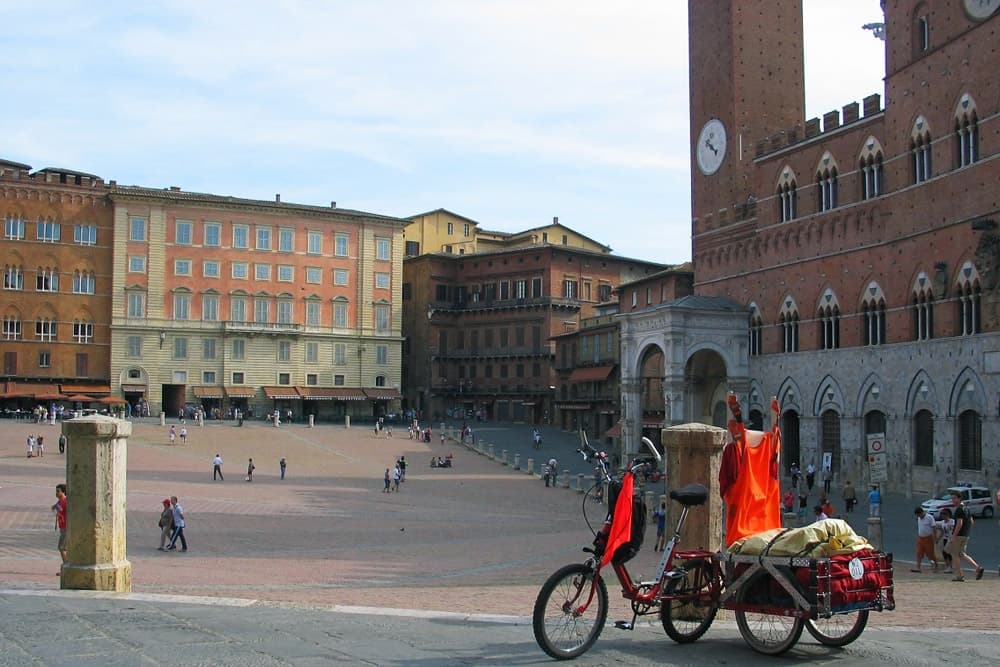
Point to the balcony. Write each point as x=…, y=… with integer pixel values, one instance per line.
x=261, y=328
x=485, y=305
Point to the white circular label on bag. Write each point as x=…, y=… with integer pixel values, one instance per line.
x=856, y=568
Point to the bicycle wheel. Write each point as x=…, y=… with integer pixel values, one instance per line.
x=769, y=634
x=567, y=620
x=687, y=618
x=839, y=629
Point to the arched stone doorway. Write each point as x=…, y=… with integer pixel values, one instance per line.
x=651, y=393
x=708, y=384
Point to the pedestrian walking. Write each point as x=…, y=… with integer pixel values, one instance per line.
x=402, y=468
x=184, y=435
x=796, y=475
x=660, y=514
x=827, y=479
x=925, y=539
x=217, y=469
x=166, y=524
x=31, y=445
x=250, y=468
x=850, y=496
x=40, y=444
x=282, y=464
x=810, y=476
x=62, y=443
x=172, y=434
x=388, y=481
x=874, y=501
x=179, y=523
x=553, y=470
x=960, y=538
x=60, y=509
x=944, y=528
x=395, y=477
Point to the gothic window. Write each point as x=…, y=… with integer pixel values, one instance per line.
x=923, y=308
x=756, y=331
x=966, y=132
x=920, y=150
x=788, y=319
x=873, y=315
x=787, y=197
x=970, y=441
x=826, y=183
x=828, y=317
x=923, y=438
x=969, y=298
x=830, y=437
x=871, y=170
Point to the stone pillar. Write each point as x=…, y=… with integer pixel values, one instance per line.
x=201, y=420
x=492, y=456
x=503, y=457
x=312, y=421
x=517, y=460
x=530, y=466
x=694, y=454
x=347, y=421
x=875, y=532
x=790, y=519
x=96, y=481
x=565, y=479
x=163, y=418
x=579, y=482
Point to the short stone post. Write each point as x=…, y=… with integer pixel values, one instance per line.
x=95, y=511
x=875, y=532
x=650, y=506
x=579, y=482
x=565, y=479
x=694, y=454
x=491, y=455
x=277, y=420
x=163, y=418
x=530, y=466
x=312, y=421
x=347, y=421
x=790, y=519
x=517, y=460
x=503, y=457
x=201, y=420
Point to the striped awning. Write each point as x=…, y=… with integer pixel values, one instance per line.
x=240, y=392
x=207, y=392
x=382, y=393
x=281, y=393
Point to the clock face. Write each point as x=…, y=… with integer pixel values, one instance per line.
x=710, y=150
x=981, y=9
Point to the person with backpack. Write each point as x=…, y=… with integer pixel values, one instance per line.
x=960, y=538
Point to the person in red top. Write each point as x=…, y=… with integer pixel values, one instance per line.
x=60, y=509
x=748, y=476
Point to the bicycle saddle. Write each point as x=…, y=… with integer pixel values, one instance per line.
x=690, y=495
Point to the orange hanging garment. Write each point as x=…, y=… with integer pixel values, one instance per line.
x=748, y=477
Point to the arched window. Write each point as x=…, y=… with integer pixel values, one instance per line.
x=920, y=150
x=787, y=196
x=790, y=438
x=788, y=318
x=871, y=170
x=970, y=441
x=826, y=183
x=966, y=132
x=873, y=315
x=969, y=300
x=923, y=438
x=828, y=317
x=830, y=437
x=923, y=308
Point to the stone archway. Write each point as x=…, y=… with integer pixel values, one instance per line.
x=707, y=382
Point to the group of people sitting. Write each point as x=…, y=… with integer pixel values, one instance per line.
x=442, y=462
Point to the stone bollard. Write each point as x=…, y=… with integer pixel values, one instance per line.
x=201, y=420
x=312, y=421
x=491, y=455
x=347, y=421
x=276, y=422
x=579, y=482
x=503, y=457
x=790, y=519
x=95, y=526
x=565, y=479
x=517, y=460
x=163, y=418
x=650, y=507
x=530, y=466
x=693, y=453
x=875, y=532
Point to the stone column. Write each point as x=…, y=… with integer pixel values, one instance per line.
x=312, y=420
x=517, y=460
x=347, y=421
x=694, y=454
x=96, y=480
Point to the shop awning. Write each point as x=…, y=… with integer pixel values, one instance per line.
x=382, y=393
x=281, y=393
x=345, y=394
x=24, y=390
x=317, y=393
x=99, y=389
x=134, y=388
x=207, y=392
x=572, y=406
x=240, y=392
x=593, y=374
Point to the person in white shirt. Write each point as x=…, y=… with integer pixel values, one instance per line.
x=925, y=539
x=944, y=528
x=217, y=468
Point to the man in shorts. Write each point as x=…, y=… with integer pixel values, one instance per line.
x=60, y=509
x=960, y=539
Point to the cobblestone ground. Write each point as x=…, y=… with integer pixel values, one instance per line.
x=478, y=538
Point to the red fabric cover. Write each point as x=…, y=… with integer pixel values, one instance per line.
x=844, y=589
x=621, y=522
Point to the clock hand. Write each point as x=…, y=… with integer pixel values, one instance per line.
x=708, y=144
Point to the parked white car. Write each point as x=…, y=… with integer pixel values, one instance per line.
x=978, y=499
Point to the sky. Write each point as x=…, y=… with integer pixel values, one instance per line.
x=508, y=112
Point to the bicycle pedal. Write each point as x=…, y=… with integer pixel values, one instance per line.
x=624, y=625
